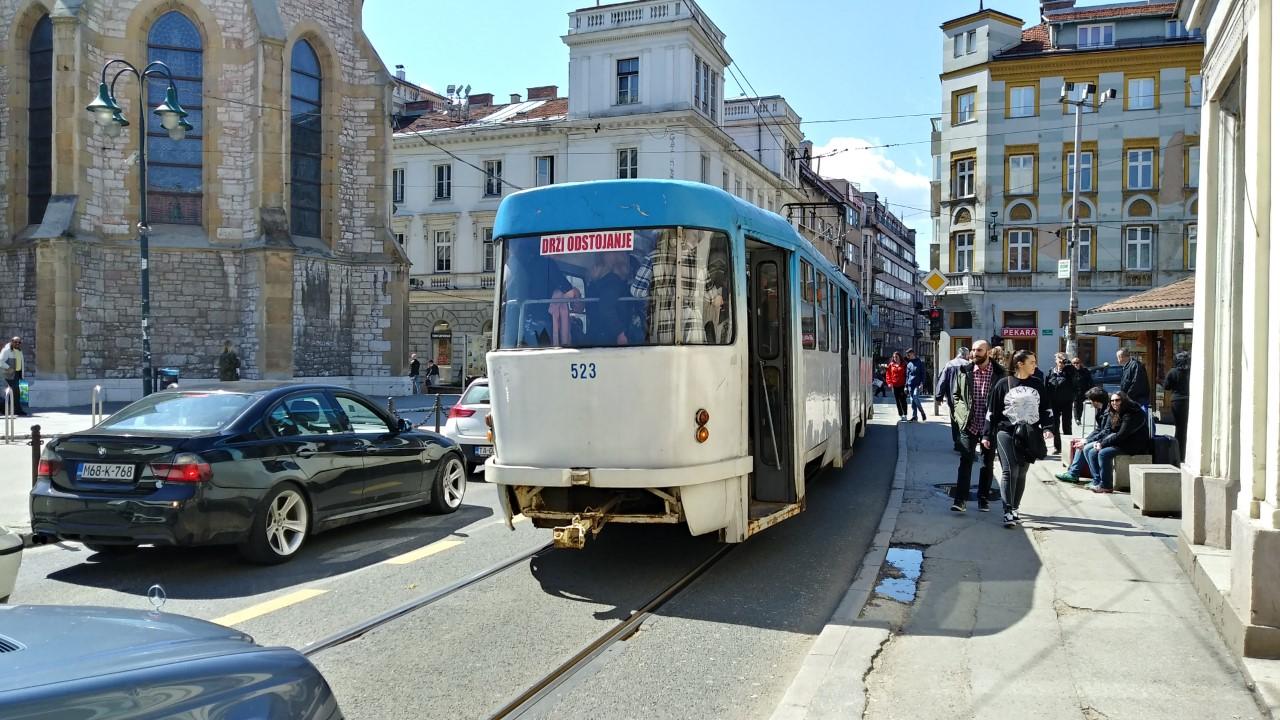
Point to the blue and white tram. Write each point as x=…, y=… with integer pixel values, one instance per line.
x=667, y=353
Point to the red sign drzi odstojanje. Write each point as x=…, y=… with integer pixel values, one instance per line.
x=605, y=241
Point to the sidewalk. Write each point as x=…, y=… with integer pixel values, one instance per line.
x=1083, y=612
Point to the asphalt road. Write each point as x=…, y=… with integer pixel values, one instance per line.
x=726, y=647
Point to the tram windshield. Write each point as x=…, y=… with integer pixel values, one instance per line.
x=614, y=288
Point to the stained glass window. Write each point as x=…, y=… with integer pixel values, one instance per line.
x=305, y=140
x=175, y=182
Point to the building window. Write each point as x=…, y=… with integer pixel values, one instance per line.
x=175, y=177
x=724, y=180
x=444, y=251
x=958, y=45
x=1189, y=250
x=1195, y=89
x=962, y=255
x=962, y=319
x=1174, y=29
x=545, y=170
x=737, y=186
x=400, y=239
x=706, y=93
x=1140, y=168
x=39, y=120
x=397, y=185
x=628, y=163
x=488, y=247
x=1096, y=35
x=963, y=107
x=444, y=182
x=1022, y=101
x=629, y=81
x=1142, y=93
x=1137, y=247
x=704, y=169
x=1086, y=172
x=971, y=42
x=305, y=198
x=492, y=178
x=963, y=172
x=1020, y=245
x=1084, y=260
x=1022, y=174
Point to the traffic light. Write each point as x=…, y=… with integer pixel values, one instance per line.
x=935, y=321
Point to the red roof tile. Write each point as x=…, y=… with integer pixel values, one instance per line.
x=553, y=108
x=1181, y=294
x=1100, y=13
x=1034, y=39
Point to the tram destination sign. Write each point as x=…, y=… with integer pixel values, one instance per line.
x=567, y=243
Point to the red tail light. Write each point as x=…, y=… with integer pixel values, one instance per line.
x=187, y=467
x=460, y=412
x=48, y=467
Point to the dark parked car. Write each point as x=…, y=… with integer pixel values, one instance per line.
x=1107, y=377
x=261, y=469
x=112, y=664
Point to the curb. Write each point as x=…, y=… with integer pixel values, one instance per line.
x=819, y=680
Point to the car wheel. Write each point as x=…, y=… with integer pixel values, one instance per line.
x=111, y=549
x=450, y=485
x=279, y=528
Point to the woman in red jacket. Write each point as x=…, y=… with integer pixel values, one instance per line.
x=895, y=376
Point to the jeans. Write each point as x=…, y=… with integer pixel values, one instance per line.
x=916, y=404
x=972, y=449
x=1180, y=411
x=416, y=380
x=1078, y=464
x=1100, y=463
x=13, y=383
x=900, y=396
x=1061, y=419
x=1013, y=475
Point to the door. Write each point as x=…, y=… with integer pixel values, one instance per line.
x=846, y=415
x=312, y=436
x=393, y=461
x=769, y=358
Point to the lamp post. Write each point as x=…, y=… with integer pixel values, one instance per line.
x=107, y=113
x=1087, y=90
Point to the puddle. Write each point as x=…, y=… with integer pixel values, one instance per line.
x=901, y=574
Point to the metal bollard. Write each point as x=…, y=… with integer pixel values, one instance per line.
x=437, y=412
x=8, y=415
x=391, y=406
x=95, y=405
x=36, y=442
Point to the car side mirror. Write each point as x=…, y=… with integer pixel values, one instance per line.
x=403, y=425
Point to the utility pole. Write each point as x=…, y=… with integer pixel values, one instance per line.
x=1087, y=90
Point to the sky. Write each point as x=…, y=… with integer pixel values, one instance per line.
x=859, y=73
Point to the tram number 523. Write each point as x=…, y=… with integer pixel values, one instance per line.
x=582, y=371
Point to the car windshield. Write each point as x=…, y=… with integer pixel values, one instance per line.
x=476, y=395
x=613, y=288
x=179, y=412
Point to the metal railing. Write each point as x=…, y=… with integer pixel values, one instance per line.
x=96, y=405
x=9, y=415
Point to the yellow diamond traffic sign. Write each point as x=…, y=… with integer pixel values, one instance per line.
x=934, y=282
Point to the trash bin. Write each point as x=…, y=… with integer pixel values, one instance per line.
x=166, y=377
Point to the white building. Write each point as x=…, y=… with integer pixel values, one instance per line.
x=646, y=100
x=1230, y=539
x=1003, y=147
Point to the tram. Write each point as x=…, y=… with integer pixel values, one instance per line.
x=667, y=353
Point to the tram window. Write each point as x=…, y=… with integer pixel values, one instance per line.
x=836, y=327
x=768, y=325
x=614, y=288
x=823, y=329
x=808, y=310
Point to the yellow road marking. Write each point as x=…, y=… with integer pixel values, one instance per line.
x=426, y=551
x=269, y=606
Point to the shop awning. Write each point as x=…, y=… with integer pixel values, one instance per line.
x=1168, y=307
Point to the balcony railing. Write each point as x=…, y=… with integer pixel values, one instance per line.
x=453, y=281
x=597, y=19
x=1048, y=281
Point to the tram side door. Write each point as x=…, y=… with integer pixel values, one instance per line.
x=846, y=416
x=769, y=357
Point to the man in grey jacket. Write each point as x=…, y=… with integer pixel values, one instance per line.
x=943, y=387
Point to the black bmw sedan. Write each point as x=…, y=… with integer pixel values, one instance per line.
x=261, y=467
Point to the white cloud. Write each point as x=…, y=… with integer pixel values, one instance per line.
x=873, y=170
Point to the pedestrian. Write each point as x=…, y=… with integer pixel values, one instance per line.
x=878, y=382
x=1083, y=384
x=997, y=357
x=970, y=390
x=916, y=374
x=895, y=376
x=1178, y=384
x=1018, y=427
x=1134, y=381
x=433, y=375
x=943, y=392
x=1125, y=432
x=1061, y=384
x=13, y=364
x=415, y=377
x=1097, y=397
x=228, y=363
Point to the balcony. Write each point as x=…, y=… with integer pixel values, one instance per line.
x=453, y=281
x=658, y=11
x=961, y=283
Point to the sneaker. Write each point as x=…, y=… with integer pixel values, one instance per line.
x=1067, y=477
x=984, y=506
x=1103, y=490
x=1092, y=486
x=1016, y=516
x=957, y=507
x=1010, y=520
x=912, y=420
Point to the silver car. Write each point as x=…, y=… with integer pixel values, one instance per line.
x=466, y=424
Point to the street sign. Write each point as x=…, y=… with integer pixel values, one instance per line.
x=1047, y=332
x=1064, y=269
x=934, y=282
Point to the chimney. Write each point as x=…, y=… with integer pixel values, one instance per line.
x=515, y=98
x=400, y=72
x=480, y=100
x=544, y=92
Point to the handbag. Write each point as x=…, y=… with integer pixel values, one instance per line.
x=1030, y=442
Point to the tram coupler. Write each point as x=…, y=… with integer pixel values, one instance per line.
x=574, y=535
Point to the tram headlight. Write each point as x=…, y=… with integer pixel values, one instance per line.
x=702, y=417
x=702, y=434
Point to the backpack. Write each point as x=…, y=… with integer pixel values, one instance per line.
x=1029, y=442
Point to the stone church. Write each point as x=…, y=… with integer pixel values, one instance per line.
x=269, y=219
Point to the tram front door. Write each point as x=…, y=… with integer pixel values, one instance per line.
x=768, y=301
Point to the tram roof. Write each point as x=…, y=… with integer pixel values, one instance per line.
x=606, y=204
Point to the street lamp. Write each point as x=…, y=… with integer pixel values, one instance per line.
x=107, y=114
x=1087, y=91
